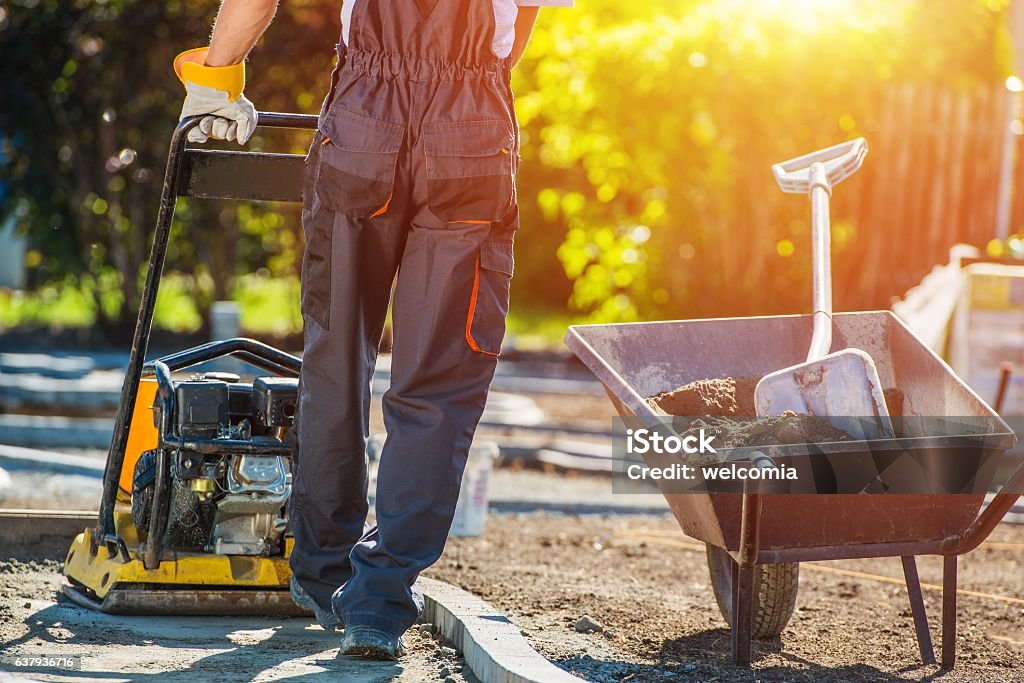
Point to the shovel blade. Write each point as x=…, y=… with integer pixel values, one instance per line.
x=842, y=387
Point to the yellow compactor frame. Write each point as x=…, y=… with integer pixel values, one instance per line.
x=106, y=566
x=187, y=583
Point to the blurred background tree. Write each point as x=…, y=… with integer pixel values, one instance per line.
x=649, y=129
x=87, y=110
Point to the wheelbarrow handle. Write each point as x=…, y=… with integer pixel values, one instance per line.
x=839, y=161
x=989, y=517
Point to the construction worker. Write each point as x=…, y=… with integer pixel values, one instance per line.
x=411, y=174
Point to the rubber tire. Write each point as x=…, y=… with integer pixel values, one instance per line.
x=775, y=589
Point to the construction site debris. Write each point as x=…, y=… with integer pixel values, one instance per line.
x=587, y=624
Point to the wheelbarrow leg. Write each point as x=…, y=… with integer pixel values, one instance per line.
x=924, y=636
x=949, y=581
x=742, y=602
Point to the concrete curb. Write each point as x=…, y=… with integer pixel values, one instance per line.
x=493, y=647
x=96, y=391
x=66, y=367
x=41, y=533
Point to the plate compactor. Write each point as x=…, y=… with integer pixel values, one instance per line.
x=193, y=518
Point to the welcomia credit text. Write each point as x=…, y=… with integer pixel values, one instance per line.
x=645, y=441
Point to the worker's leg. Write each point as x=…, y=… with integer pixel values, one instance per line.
x=449, y=320
x=347, y=276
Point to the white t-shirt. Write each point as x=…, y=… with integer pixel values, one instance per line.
x=505, y=13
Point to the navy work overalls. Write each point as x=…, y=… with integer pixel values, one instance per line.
x=412, y=172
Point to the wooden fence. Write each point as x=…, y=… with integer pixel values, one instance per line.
x=931, y=180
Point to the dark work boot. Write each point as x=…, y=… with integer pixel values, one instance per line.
x=371, y=643
x=328, y=621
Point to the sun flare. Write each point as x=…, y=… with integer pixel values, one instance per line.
x=800, y=15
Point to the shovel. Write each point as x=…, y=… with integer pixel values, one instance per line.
x=842, y=387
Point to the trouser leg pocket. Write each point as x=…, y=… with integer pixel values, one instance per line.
x=358, y=158
x=488, y=305
x=316, y=265
x=469, y=167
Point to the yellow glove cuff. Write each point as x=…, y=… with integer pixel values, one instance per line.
x=190, y=66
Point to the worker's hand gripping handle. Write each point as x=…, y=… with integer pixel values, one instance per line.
x=264, y=119
x=839, y=163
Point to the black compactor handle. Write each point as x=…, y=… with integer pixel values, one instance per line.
x=219, y=174
x=203, y=174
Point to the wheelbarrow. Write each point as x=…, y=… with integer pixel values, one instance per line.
x=756, y=535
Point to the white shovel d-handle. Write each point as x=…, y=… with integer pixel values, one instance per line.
x=815, y=174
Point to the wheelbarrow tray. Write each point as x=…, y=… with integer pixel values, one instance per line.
x=635, y=361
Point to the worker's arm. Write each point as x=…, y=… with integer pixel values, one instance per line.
x=239, y=24
x=524, y=28
x=215, y=76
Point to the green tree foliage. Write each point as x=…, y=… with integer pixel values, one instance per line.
x=650, y=129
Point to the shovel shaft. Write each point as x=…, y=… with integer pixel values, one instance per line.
x=821, y=262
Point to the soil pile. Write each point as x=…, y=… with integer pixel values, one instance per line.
x=731, y=396
x=789, y=428
x=647, y=585
x=726, y=409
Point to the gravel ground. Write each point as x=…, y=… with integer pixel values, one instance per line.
x=643, y=584
x=225, y=649
x=647, y=587
x=637, y=578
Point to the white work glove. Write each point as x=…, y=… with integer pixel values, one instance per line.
x=224, y=120
x=215, y=93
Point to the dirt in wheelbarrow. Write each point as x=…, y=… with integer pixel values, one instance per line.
x=732, y=397
x=628, y=599
x=725, y=408
x=728, y=397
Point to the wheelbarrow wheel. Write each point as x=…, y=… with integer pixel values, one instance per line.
x=775, y=588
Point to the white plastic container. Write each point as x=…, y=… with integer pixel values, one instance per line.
x=471, y=510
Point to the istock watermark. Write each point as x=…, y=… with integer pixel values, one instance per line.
x=805, y=454
x=642, y=441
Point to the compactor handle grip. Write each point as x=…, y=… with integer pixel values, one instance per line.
x=273, y=119
x=839, y=162
x=264, y=119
